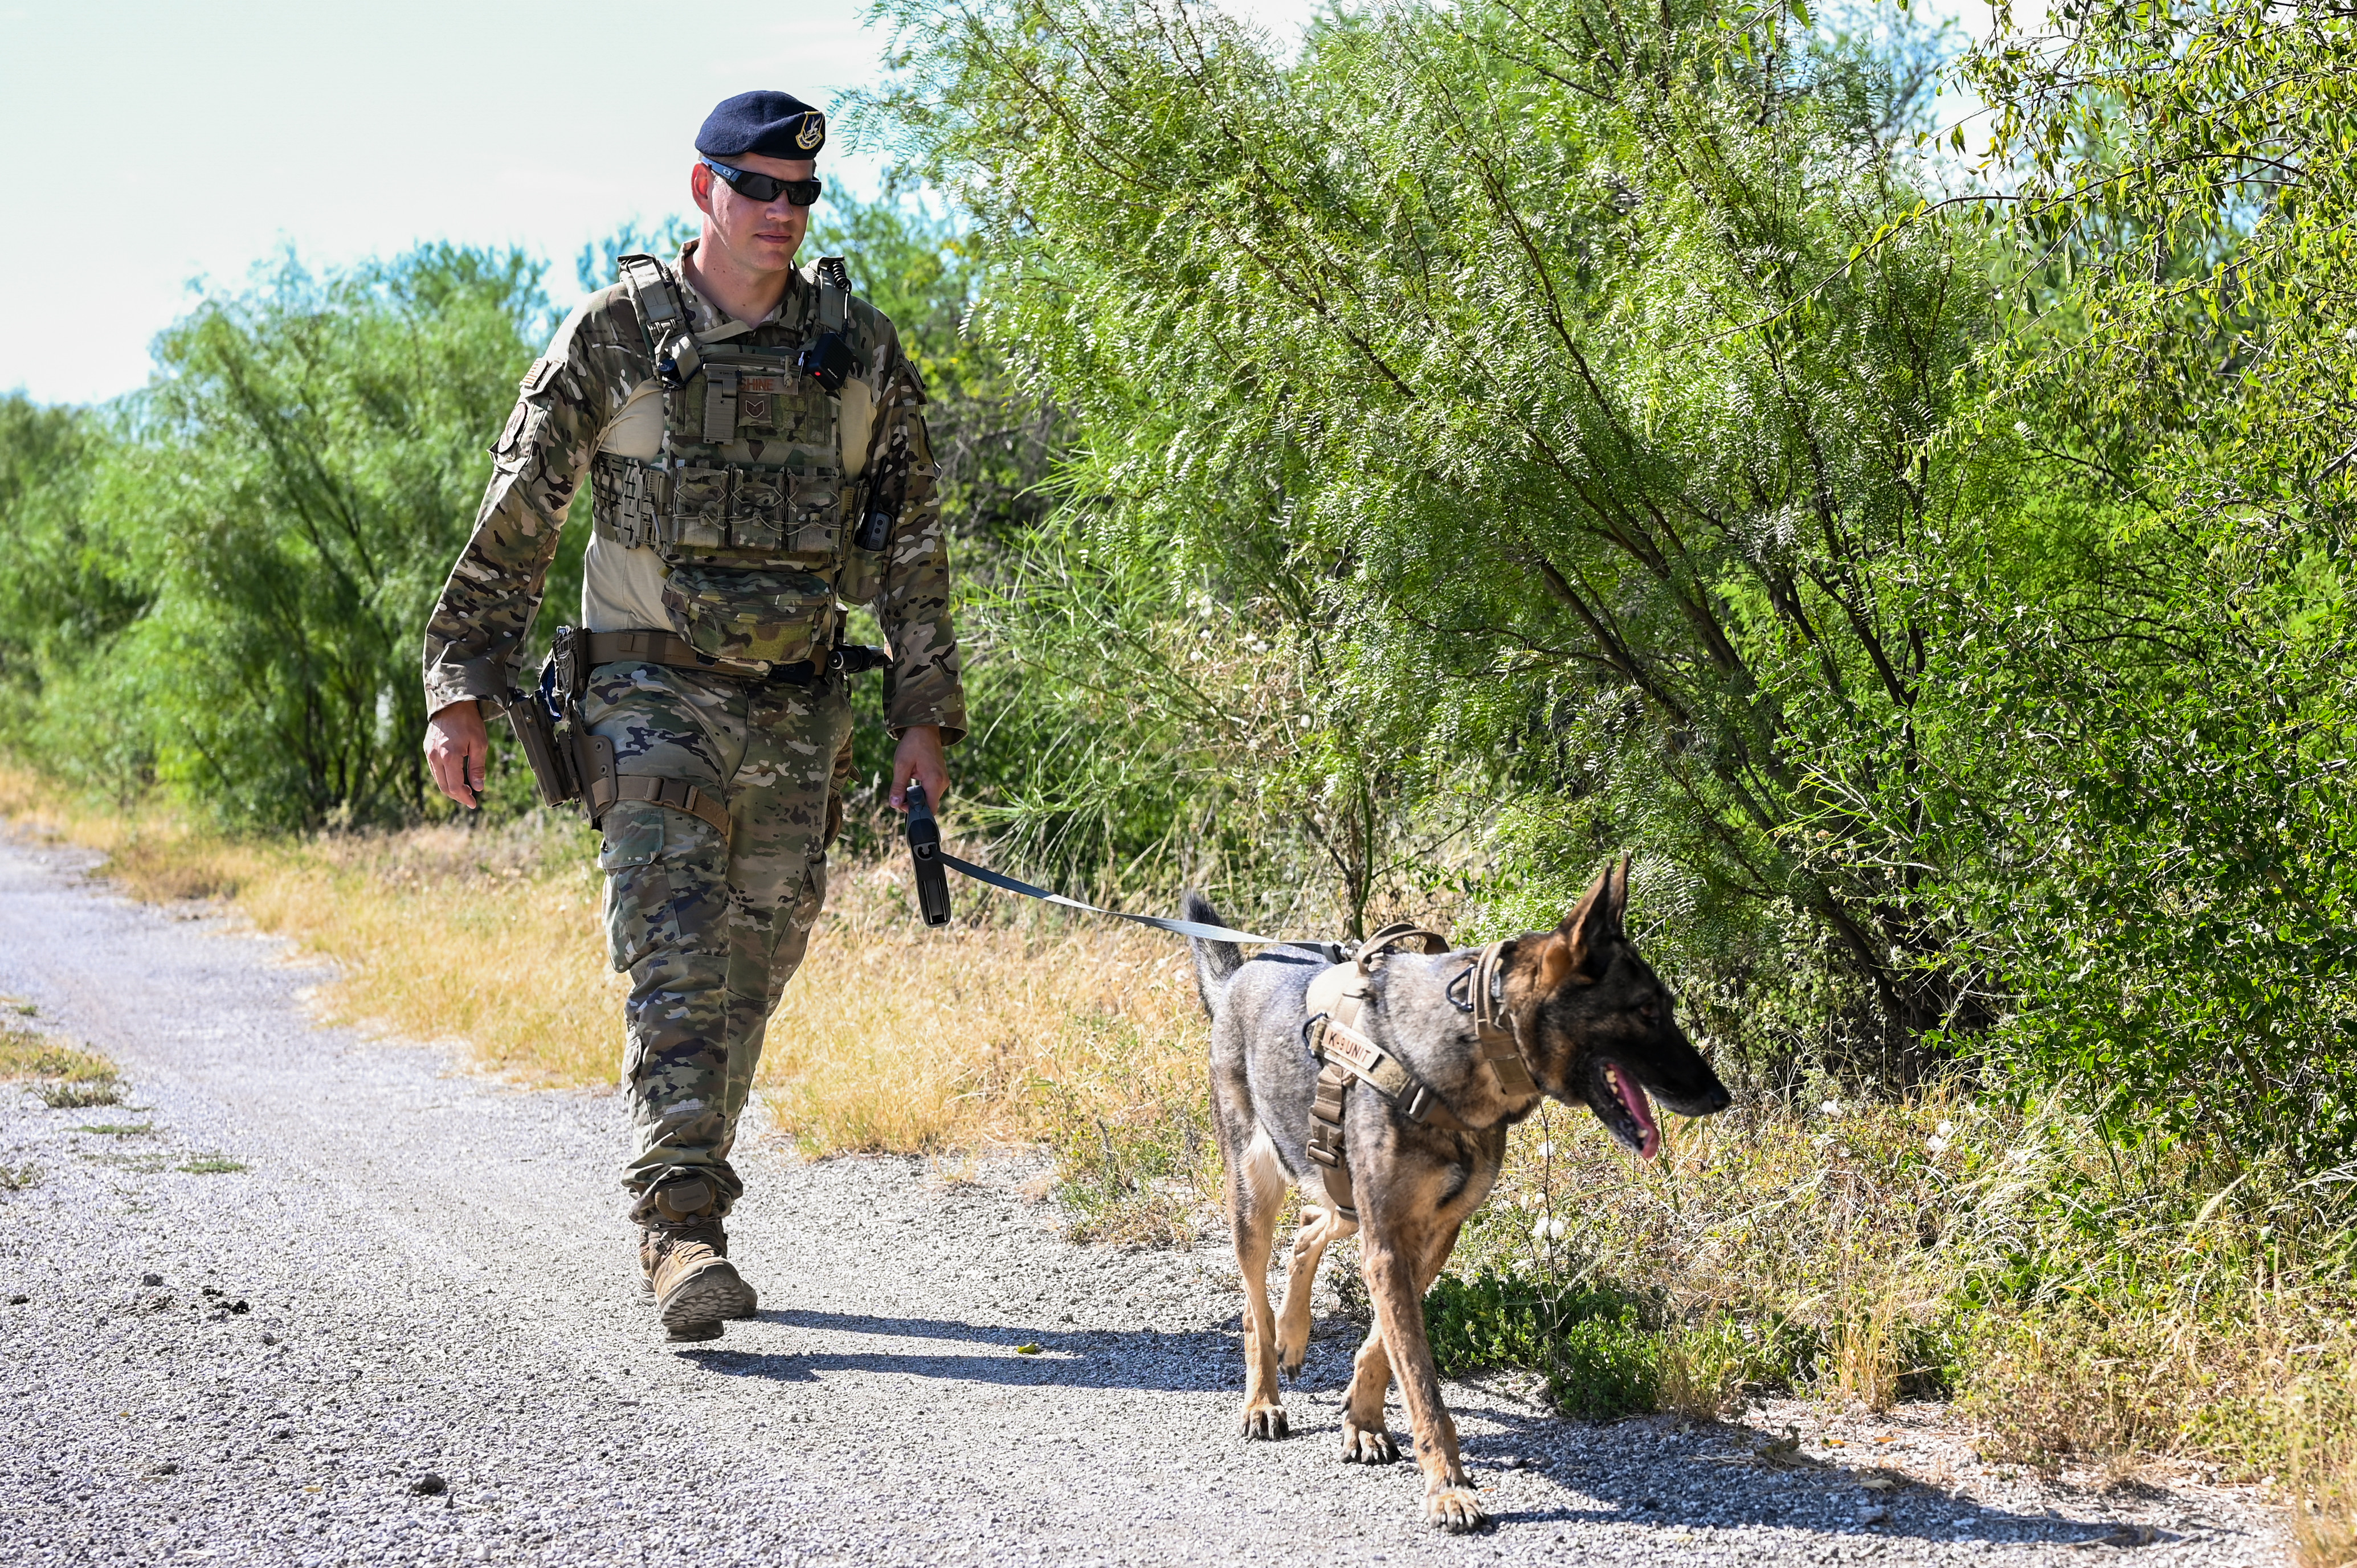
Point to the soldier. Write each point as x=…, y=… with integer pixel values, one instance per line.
x=759, y=459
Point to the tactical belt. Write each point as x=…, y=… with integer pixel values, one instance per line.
x=668, y=649
x=1336, y=1039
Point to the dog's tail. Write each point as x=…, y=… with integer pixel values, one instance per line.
x=1214, y=962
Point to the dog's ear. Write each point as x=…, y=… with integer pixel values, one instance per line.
x=1615, y=896
x=1571, y=947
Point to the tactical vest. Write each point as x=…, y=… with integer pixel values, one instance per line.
x=749, y=501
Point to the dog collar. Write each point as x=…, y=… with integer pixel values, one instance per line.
x=1493, y=1022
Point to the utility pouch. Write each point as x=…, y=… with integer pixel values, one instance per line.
x=536, y=732
x=757, y=618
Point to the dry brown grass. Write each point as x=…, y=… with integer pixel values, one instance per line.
x=1866, y=1354
x=1011, y=1026
x=65, y=1077
x=2324, y=1513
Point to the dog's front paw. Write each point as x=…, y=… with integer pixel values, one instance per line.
x=1264, y=1422
x=1367, y=1444
x=1291, y=1357
x=1454, y=1510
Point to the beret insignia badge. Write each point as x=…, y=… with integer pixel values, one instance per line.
x=812, y=133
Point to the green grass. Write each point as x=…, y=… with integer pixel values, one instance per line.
x=212, y=1164
x=65, y=1077
x=117, y=1129
x=79, y=1096
x=19, y=1178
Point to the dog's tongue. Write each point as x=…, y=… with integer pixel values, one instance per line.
x=1633, y=1096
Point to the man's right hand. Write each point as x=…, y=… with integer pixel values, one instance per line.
x=458, y=749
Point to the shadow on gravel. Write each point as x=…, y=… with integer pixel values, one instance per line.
x=1138, y=1359
x=1648, y=1473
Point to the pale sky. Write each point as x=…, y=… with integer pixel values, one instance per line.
x=147, y=146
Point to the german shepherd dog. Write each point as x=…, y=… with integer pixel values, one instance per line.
x=1592, y=1023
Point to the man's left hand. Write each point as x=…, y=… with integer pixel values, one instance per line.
x=920, y=758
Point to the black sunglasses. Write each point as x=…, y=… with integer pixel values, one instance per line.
x=766, y=188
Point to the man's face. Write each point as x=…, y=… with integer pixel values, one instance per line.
x=761, y=237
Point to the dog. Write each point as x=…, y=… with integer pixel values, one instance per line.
x=1473, y=1042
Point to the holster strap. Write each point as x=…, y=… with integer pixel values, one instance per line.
x=679, y=795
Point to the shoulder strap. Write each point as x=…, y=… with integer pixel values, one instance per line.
x=663, y=317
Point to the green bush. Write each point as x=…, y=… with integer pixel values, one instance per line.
x=1600, y=1359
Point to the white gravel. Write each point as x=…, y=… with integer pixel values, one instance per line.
x=420, y=1273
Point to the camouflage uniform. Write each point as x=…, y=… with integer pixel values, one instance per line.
x=709, y=931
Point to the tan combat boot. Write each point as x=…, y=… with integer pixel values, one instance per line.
x=651, y=1251
x=685, y=1255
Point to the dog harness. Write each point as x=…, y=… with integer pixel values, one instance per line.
x=1336, y=1038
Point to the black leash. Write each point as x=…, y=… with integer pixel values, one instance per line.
x=933, y=890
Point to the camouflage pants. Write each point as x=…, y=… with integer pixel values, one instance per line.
x=709, y=930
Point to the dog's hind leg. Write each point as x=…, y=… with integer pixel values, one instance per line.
x=1256, y=1189
x=1320, y=1228
x=1365, y=1441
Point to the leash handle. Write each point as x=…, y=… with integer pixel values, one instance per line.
x=925, y=852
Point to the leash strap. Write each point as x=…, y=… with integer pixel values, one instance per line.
x=1160, y=923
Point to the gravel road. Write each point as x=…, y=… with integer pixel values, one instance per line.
x=406, y=1328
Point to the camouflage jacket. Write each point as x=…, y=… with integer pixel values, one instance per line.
x=594, y=389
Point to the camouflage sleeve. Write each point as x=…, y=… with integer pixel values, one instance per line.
x=913, y=606
x=476, y=634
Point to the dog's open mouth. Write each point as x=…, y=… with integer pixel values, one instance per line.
x=1627, y=1113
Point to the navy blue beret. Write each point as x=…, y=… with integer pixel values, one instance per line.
x=774, y=125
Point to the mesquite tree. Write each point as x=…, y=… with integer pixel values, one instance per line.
x=1518, y=358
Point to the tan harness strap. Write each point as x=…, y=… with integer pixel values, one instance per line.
x=1335, y=1040
x=1325, y=1140
x=1337, y=1044
x=677, y=794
